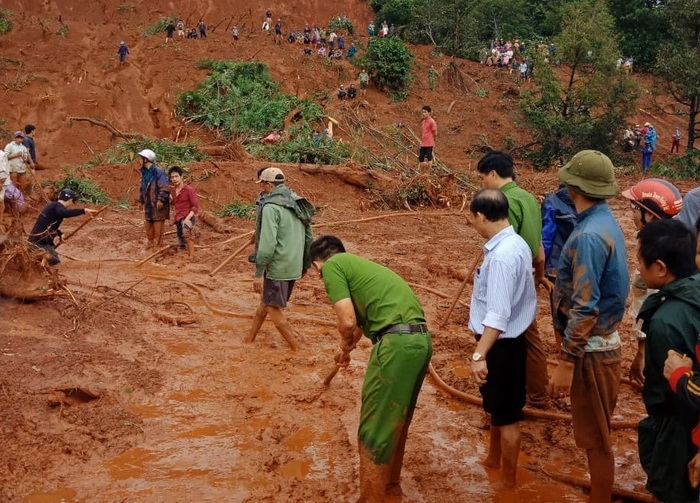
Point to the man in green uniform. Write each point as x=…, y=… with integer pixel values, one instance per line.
x=282, y=239
x=372, y=300
x=497, y=172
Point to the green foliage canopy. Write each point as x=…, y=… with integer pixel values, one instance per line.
x=388, y=61
x=241, y=98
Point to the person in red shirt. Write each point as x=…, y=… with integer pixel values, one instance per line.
x=184, y=199
x=427, y=140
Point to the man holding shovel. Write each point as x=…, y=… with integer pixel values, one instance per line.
x=370, y=299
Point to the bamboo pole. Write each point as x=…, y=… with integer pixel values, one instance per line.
x=229, y=258
x=461, y=289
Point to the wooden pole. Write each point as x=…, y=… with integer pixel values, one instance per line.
x=152, y=255
x=229, y=258
x=72, y=233
x=461, y=289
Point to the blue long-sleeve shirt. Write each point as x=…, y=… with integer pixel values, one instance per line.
x=592, y=283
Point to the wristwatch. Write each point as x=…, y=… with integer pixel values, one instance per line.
x=477, y=357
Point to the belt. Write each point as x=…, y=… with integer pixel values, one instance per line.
x=421, y=328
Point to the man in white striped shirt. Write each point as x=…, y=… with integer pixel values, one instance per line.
x=503, y=305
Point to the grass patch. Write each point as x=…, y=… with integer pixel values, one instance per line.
x=5, y=20
x=88, y=191
x=682, y=167
x=22, y=80
x=241, y=98
x=237, y=209
x=159, y=26
x=63, y=30
x=125, y=8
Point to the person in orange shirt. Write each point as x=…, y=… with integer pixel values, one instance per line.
x=427, y=140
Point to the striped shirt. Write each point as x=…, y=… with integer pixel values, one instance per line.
x=504, y=295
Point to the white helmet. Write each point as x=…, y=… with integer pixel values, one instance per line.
x=147, y=154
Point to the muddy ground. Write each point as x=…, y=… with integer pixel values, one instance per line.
x=134, y=384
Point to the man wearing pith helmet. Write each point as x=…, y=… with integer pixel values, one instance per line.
x=154, y=197
x=282, y=250
x=588, y=303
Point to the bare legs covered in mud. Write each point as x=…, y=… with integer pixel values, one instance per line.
x=504, y=447
x=278, y=318
x=154, y=233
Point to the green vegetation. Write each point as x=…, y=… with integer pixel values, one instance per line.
x=5, y=21
x=589, y=106
x=682, y=167
x=88, y=191
x=159, y=26
x=237, y=209
x=167, y=153
x=388, y=61
x=339, y=23
x=241, y=98
x=63, y=30
x=125, y=8
x=302, y=148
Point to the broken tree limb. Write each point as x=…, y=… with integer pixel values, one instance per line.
x=432, y=290
x=74, y=231
x=357, y=178
x=229, y=258
x=109, y=127
x=153, y=255
x=626, y=494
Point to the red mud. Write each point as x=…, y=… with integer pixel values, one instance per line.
x=103, y=400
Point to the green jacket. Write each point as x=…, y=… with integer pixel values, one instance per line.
x=283, y=235
x=671, y=320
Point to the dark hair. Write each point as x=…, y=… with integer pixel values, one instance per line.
x=325, y=247
x=176, y=169
x=498, y=161
x=427, y=108
x=671, y=242
x=697, y=225
x=492, y=203
x=257, y=176
x=29, y=128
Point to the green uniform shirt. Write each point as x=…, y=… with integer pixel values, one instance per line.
x=281, y=245
x=380, y=296
x=524, y=215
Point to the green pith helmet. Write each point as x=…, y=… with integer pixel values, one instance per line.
x=592, y=173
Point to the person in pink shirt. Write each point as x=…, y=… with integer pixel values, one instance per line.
x=427, y=140
x=184, y=199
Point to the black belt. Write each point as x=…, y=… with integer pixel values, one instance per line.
x=421, y=328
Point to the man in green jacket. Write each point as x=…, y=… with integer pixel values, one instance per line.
x=282, y=240
x=373, y=300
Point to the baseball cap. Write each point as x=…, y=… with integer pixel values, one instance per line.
x=18, y=134
x=592, y=173
x=271, y=175
x=67, y=195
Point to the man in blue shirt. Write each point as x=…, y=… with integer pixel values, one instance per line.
x=589, y=302
x=503, y=306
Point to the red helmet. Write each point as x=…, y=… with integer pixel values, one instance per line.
x=659, y=197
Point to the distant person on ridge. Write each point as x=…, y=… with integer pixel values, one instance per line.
x=123, y=52
x=427, y=140
x=169, y=32
x=202, y=29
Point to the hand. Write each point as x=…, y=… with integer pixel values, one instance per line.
x=544, y=283
x=560, y=382
x=342, y=359
x=159, y=205
x=252, y=239
x=140, y=206
x=188, y=222
x=636, y=373
x=694, y=472
x=479, y=371
x=674, y=361
x=90, y=211
x=258, y=285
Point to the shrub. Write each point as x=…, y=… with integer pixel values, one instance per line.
x=167, y=152
x=388, y=61
x=341, y=23
x=88, y=191
x=241, y=98
x=682, y=167
x=159, y=26
x=5, y=21
x=302, y=148
x=63, y=30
